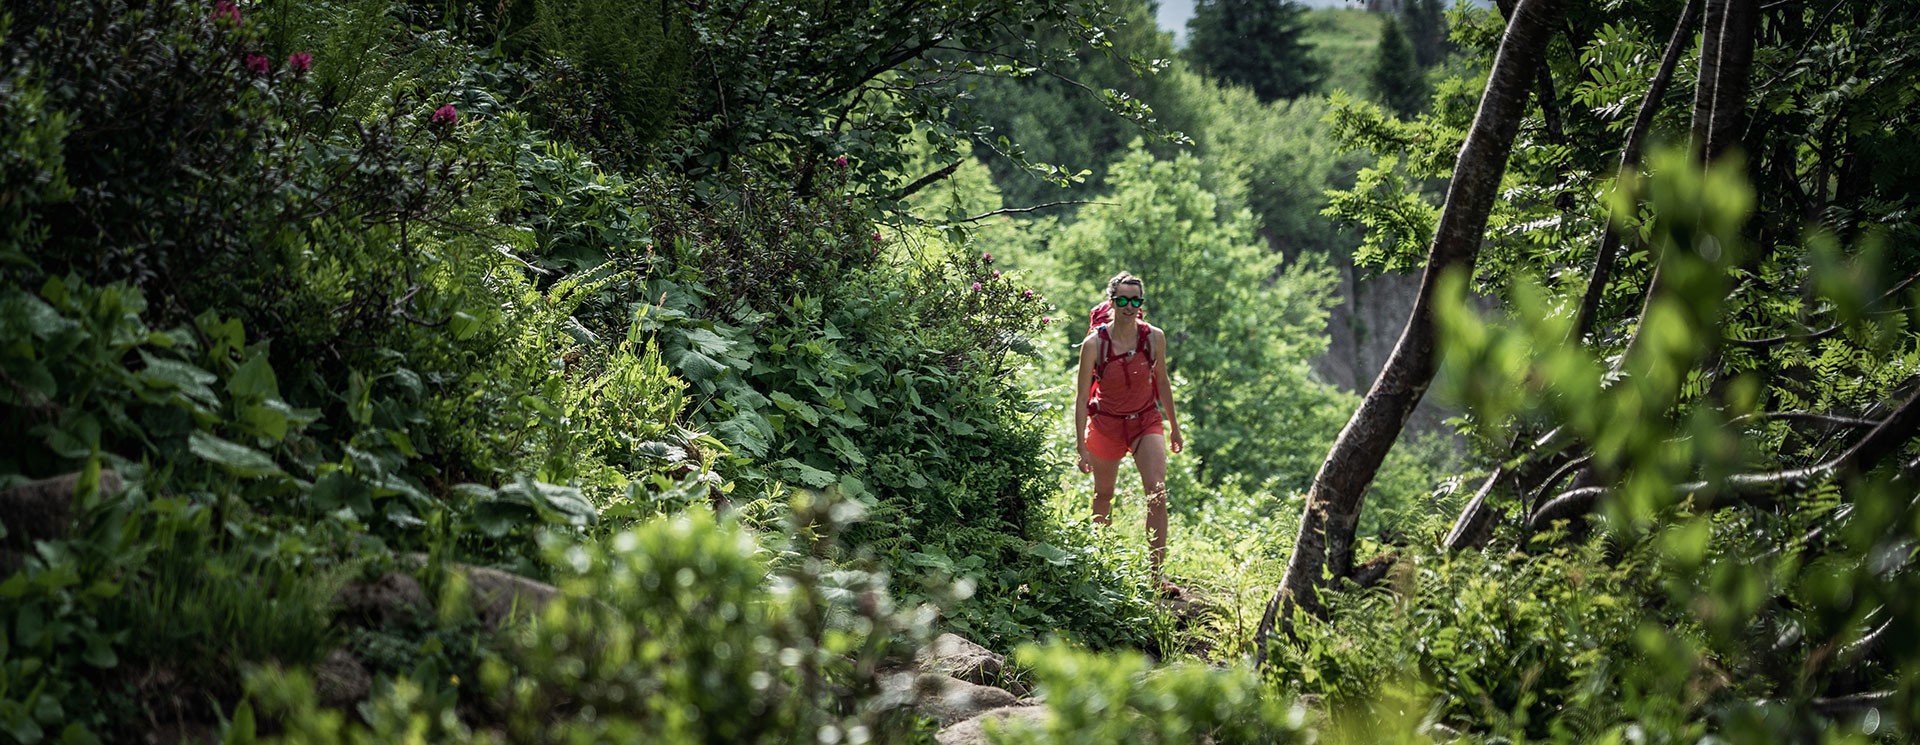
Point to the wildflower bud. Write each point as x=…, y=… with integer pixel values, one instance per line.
x=226, y=11
x=996, y=274
x=1028, y=295
x=840, y=161
x=986, y=257
x=300, y=61
x=876, y=235
x=257, y=63
x=445, y=116
x=976, y=287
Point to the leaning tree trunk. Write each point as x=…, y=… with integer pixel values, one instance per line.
x=1323, y=550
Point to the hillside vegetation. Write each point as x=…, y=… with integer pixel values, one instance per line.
x=543, y=371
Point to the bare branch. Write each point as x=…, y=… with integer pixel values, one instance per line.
x=1034, y=208
x=1475, y=524
x=1566, y=506
x=1886, y=439
x=1553, y=480
x=927, y=180
x=1831, y=420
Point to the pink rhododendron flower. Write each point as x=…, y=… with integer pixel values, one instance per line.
x=976, y=287
x=1046, y=319
x=1027, y=295
x=986, y=258
x=996, y=274
x=876, y=235
x=840, y=161
x=257, y=63
x=225, y=10
x=445, y=116
x=300, y=61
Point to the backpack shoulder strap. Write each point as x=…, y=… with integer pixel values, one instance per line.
x=1106, y=342
x=1146, y=341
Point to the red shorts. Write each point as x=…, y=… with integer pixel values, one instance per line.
x=1113, y=437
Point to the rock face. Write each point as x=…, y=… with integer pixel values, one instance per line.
x=40, y=510
x=952, y=654
x=395, y=598
x=943, y=698
x=974, y=731
x=500, y=597
x=340, y=680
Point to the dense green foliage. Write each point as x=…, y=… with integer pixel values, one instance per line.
x=714, y=317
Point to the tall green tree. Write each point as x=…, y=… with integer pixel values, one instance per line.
x=1396, y=75
x=1425, y=24
x=1255, y=43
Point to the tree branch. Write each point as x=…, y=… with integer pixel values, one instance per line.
x=1474, y=526
x=1822, y=333
x=1886, y=439
x=1630, y=159
x=1034, y=208
x=1832, y=420
x=927, y=180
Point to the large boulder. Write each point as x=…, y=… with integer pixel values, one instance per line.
x=943, y=698
x=973, y=731
x=340, y=680
x=394, y=599
x=501, y=597
x=496, y=597
x=39, y=511
x=952, y=654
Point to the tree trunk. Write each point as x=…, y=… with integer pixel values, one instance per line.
x=1324, y=547
x=1726, y=61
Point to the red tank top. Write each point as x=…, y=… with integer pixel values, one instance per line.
x=1123, y=384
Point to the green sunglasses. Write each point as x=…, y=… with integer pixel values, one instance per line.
x=1122, y=302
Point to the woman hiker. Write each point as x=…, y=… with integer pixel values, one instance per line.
x=1122, y=389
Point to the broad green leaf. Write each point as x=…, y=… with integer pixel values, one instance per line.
x=805, y=474
x=796, y=407
x=254, y=380
x=238, y=459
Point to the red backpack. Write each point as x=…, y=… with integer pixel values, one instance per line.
x=1097, y=320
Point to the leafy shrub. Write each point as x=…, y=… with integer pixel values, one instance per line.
x=1116, y=698
x=627, y=58
x=681, y=629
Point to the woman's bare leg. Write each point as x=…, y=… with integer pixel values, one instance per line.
x=1105, y=474
x=1150, y=456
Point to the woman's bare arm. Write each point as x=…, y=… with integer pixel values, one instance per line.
x=1165, y=381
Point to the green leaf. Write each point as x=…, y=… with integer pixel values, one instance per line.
x=174, y=374
x=465, y=325
x=797, y=407
x=693, y=365
x=268, y=419
x=1052, y=554
x=707, y=342
x=254, y=380
x=806, y=474
x=570, y=504
x=337, y=489
x=238, y=459
x=746, y=432
x=100, y=653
